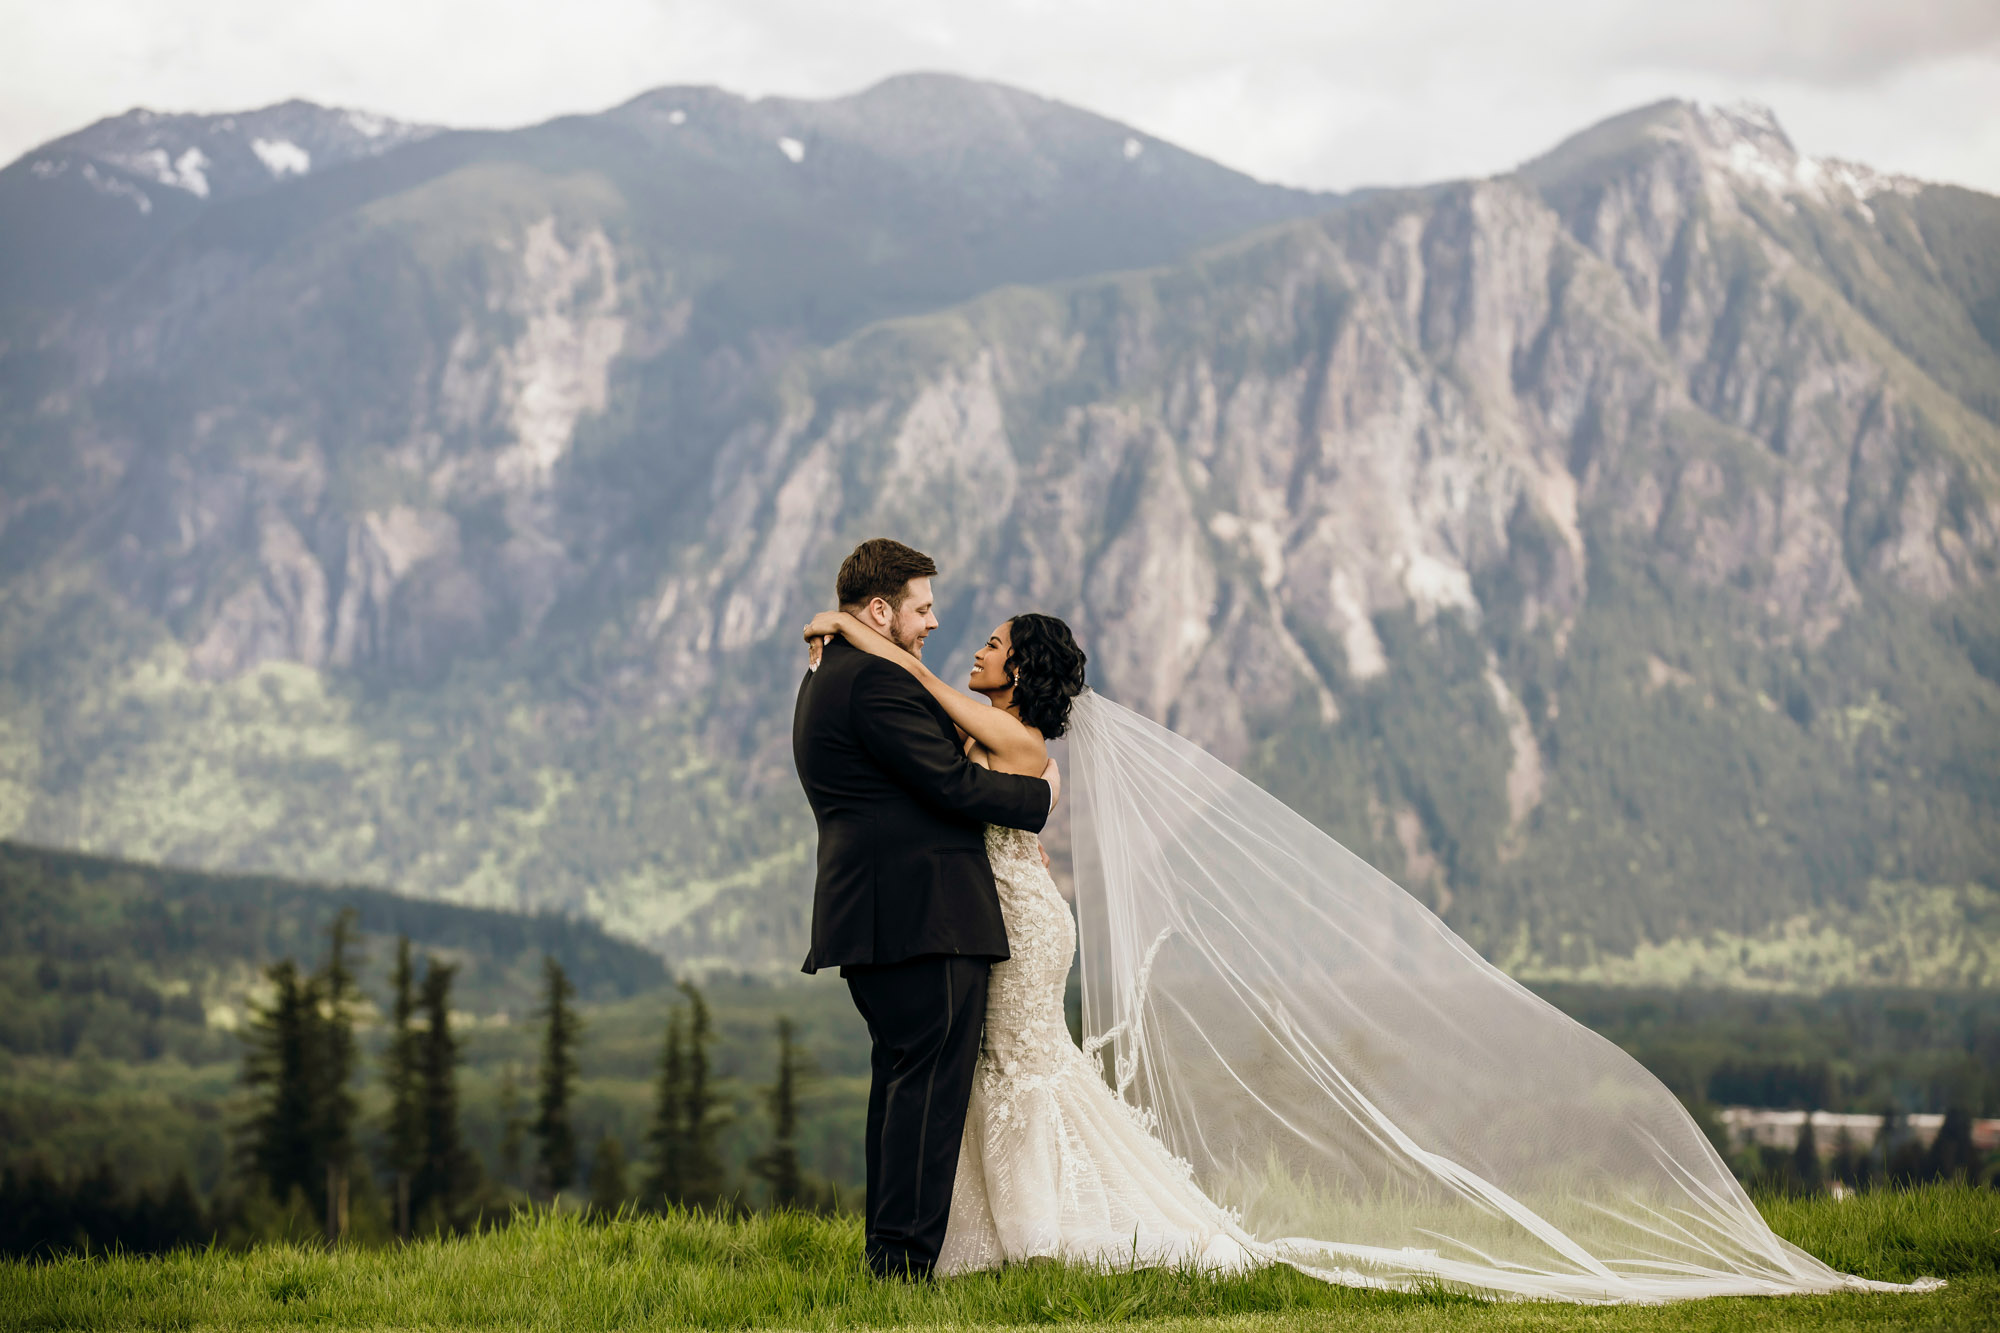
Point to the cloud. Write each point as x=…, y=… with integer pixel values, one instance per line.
x=1825, y=43
x=1324, y=94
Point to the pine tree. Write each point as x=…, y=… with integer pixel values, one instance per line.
x=555, y=1152
x=1952, y=1155
x=513, y=1126
x=278, y=1064
x=666, y=1181
x=444, y=1175
x=703, y=1179
x=334, y=1102
x=1807, y=1177
x=1846, y=1166
x=778, y=1165
x=404, y=1136
x=96, y=1208
x=178, y=1218
x=1892, y=1155
x=607, y=1176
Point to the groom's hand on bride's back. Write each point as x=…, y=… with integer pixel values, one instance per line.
x=1053, y=776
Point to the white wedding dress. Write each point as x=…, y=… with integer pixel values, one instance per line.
x=1054, y=1164
x=1309, y=1067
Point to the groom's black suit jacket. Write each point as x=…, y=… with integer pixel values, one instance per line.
x=902, y=815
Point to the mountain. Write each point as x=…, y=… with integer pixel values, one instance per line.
x=1605, y=549
x=90, y=207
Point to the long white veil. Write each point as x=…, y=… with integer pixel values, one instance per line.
x=1380, y=1104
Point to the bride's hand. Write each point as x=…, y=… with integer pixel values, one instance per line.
x=818, y=633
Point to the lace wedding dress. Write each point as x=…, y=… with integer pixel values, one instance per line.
x=1311, y=1068
x=1054, y=1164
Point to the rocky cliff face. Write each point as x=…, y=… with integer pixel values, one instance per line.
x=1607, y=549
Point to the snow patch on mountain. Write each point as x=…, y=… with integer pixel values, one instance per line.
x=792, y=148
x=282, y=157
x=213, y=158
x=118, y=189
x=1746, y=144
x=1746, y=141
x=189, y=171
x=1866, y=184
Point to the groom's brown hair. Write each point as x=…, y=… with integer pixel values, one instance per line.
x=881, y=567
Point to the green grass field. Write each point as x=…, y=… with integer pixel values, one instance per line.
x=791, y=1271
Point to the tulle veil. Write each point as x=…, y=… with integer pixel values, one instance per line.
x=1381, y=1105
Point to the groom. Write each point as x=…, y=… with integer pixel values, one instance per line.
x=904, y=904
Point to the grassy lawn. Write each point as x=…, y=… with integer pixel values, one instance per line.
x=797, y=1272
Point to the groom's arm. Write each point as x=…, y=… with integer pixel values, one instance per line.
x=895, y=724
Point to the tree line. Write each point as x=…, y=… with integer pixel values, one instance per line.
x=301, y=1168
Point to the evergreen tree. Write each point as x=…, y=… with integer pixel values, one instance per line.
x=778, y=1165
x=445, y=1172
x=279, y=1066
x=40, y=1215
x=1897, y=1156
x=607, y=1176
x=1952, y=1155
x=1807, y=1177
x=555, y=1140
x=666, y=1181
x=703, y=1180
x=1846, y=1166
x=178, y=1219
x=403, y=1140
x=513, y=1126
x=96, y=1205
x=333, y=1067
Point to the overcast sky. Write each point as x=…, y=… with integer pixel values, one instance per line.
x=1311, y=92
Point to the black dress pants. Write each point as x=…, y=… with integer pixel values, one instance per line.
x=925, y=1018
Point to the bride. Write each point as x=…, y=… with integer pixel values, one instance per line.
x=1307, y=1066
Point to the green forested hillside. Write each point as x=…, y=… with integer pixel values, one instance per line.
x=136, y=961
x=124, y=988
x=1855, y=1050
x=1715, y=810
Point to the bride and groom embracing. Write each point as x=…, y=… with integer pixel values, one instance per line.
x=1307, y=1066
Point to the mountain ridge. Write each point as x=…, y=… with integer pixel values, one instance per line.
x=1577, y=544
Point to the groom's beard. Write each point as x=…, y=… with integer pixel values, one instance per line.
x=913, y=644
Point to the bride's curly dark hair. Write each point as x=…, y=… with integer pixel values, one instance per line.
x=1047, y=668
